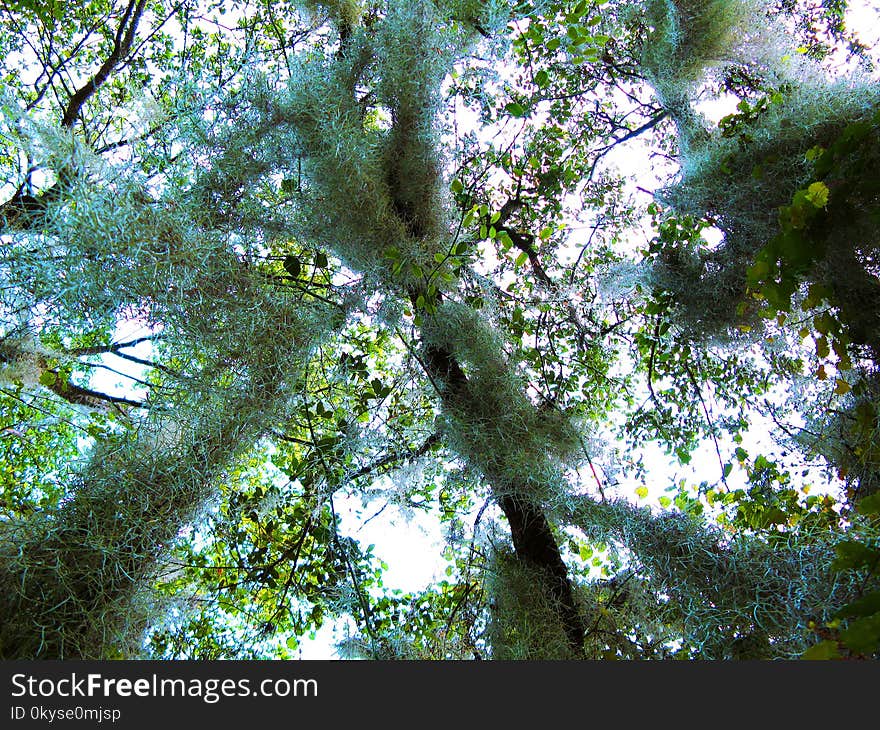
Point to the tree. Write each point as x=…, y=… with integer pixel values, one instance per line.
x=333, y=282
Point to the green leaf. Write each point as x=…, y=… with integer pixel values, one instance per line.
x=292, y=265
x=759, y=270
x=321, y=260
x=642, y=492
x=822, y=650
x=48, y=378
x=521, y=259
x=823, y=323
x=573, y=31
x=853, y=555
x=865, y=606
x=456, y=186
x=869, y=505
x=863, y=635
x=515, y=109
x=817, y=194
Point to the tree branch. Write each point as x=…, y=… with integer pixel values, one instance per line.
x=395, y=457
x=80, y=396
x=533, y=539
x=122, y=42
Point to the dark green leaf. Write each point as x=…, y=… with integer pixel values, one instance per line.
x=292, y=265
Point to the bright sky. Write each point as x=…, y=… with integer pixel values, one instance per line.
x=863, y=18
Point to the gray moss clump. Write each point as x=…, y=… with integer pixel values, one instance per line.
x=383, y=211
x=849, y=438
x=690, y=38
x=521, y=448
x=75, y=581
x=740, y=180
x=741, y=186
x=378, y=178
x=523, y=622
x=365, y=120
x=736, y=597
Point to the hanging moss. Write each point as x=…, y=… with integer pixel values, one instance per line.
x=691, y=37
x=741, y=186
x=501, y=433
x=740, y=178
x=849, y=438
x=75, y=581
x=383, y=211
x=523, y=622
x=737, y=597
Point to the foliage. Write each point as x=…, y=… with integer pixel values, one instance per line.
x=364, y=256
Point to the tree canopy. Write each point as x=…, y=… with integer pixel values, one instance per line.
x=500, y=266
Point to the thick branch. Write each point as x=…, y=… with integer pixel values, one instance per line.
x=121, y=46
x=80, y=396
x=21, y=210
x=533, y=538
x=111, y=348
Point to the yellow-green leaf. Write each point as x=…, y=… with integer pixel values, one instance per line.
x=822, y=650
x=817, y=194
